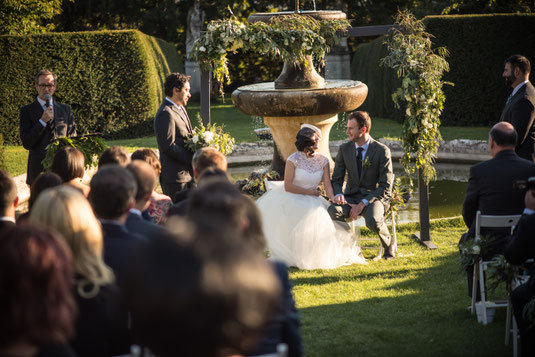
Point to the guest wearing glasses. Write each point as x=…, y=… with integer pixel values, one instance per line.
x=42, y=121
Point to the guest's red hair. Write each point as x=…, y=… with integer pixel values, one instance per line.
x=36, y=299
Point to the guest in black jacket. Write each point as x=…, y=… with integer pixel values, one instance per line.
x=217, y=204
x=102, y=322
x=9, y=200
x=113, y=189
x=521, y=247
x=490, y=188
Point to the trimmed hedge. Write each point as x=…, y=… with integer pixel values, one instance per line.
x=111, y=79
x=478, y=45
x=2, y=157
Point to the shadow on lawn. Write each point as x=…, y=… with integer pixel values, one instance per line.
x=423, y=315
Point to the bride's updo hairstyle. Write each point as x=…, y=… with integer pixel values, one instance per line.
x=305, y=139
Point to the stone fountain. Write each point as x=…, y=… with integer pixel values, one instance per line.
x=299, y=95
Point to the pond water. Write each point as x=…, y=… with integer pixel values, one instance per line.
x=446, y=195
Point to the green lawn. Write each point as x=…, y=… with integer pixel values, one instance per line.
x=414, y=305
x=241, y=127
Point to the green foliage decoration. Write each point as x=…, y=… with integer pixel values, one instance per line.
x=90, y=146
x=111, y=79
x=210, y=135
x=292, y=38
x=412, y=56
x=254, y=185
x=471, y=250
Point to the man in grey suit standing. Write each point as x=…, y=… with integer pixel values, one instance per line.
x=369, y=180
x=172, y=126
x=520, y=107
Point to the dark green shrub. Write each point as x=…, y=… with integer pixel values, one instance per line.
x=478, y=45
x=2, y=158
x=111, y=79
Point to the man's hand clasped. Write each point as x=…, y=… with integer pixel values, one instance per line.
x=48, y=115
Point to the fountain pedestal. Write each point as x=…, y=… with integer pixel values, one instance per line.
x=284, y=130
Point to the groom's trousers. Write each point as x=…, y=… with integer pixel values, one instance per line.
x=374, y=215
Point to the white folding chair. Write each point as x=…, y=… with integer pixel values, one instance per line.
x=481, y=266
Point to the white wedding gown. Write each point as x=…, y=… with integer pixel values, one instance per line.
x=298, y=228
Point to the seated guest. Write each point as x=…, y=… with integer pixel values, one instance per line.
x=42, y=182
x=191, y=301
x=146, y=181
x=9, y=200
x=218, y=203
x=69, y=164
x=490, y=188
x=520, y=248
x=203, y=159
x=159, y=203
x=102, y=322
x=114, y=155
x=38, y=309
x=113, y=189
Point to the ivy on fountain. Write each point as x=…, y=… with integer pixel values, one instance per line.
x=421, y=70
x=291, y=38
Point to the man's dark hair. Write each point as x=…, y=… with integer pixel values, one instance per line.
x=112, y=188
x=45, y=72
x=521, y=62
x=363, y=119
x=503, y=137
x=208, y=157
x=114, y=155
x=69, y=163
x=8, y=191
x=145, y=178
x=175, y=80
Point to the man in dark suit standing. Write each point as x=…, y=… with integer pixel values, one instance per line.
x=172, y=126
x=490, y=188
x=369, y=180
x=42, y=121
x=9, y=200
x=520, y=107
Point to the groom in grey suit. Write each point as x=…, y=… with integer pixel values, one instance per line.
x=172, y=126
x=369, y=180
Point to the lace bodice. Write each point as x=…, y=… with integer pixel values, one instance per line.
x=308, y=170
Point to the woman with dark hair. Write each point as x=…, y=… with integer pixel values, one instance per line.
x=159, y=203
x=69, y=164
x=37, y=307
x=297, y=226
x=42, y=182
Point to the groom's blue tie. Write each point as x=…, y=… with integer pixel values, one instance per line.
x=359, y=159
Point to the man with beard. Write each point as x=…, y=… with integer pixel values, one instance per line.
x=519, y=108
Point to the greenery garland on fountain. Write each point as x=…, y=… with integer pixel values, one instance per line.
x=421, y=70
x=91, y=146
x=292, y=38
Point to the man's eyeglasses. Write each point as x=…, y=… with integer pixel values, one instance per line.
x=42, y=86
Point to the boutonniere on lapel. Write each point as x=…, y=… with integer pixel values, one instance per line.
x=366, y=163
x=209, y=135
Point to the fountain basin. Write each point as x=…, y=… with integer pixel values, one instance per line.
x=334, y=97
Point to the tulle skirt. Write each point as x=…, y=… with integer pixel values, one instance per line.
x=300, y=232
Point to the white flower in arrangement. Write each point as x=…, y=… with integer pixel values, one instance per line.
x=202, y=49
x=413, y=63
x=476, y=249
x=408, y=111
x=208, y=137
x=414, y=130
x=195, y=139
x=424, y=123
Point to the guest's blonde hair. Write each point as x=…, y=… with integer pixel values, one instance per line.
x=68, y=212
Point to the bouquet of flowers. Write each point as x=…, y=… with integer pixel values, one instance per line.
x=210, y=135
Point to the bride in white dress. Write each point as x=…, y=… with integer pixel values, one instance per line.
x=297, y=226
